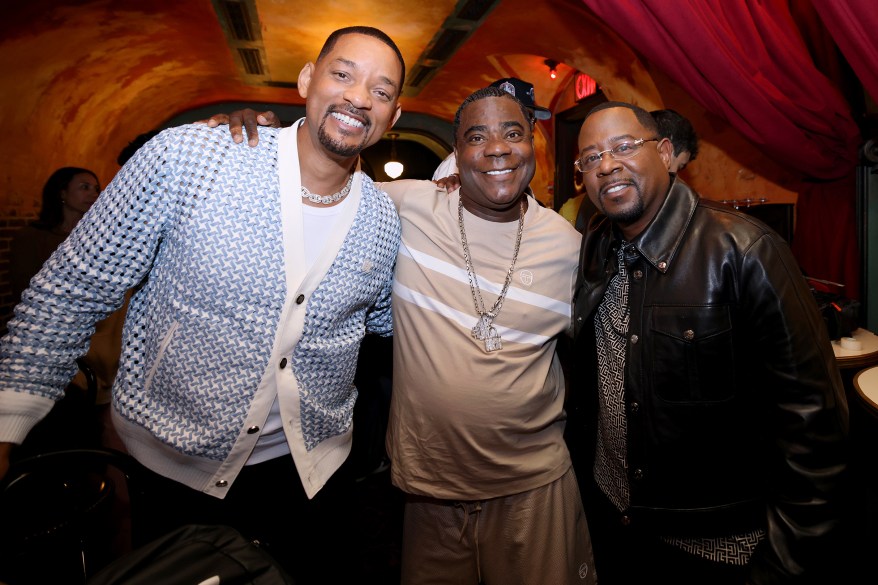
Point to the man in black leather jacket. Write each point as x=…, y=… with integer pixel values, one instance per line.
x=721, y=434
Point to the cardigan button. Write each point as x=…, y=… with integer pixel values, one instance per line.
x=634, y=339
x=625, y=520
x=253, y=430
x=635, y=407
x=283, y=363
x=222, y=483
x=300, y=299
x=638, y=274
x=688, y=335
x=638, y=474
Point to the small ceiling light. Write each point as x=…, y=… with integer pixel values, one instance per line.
x=393, y=167
x=553, y=67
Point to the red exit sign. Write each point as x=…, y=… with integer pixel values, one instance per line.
x=583, y=85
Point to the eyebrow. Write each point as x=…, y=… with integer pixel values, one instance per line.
x=484, y=127
x=613, y=140
x=354, y=65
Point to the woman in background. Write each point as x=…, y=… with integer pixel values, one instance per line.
x=67, y=195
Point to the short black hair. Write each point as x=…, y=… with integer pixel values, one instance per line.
x=369, y=32
x=487, y=92
x=645, y=118
x=678, y=129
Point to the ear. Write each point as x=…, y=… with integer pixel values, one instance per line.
x=305, y=79
x=396, y=116
x=666, y=151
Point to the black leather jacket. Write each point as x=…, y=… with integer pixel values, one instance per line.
x=734, y=401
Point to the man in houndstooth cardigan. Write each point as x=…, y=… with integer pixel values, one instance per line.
x=255, y=289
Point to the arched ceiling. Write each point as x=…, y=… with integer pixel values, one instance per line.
x=83, y=78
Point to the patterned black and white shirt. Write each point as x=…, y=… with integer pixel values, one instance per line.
x=611, y=466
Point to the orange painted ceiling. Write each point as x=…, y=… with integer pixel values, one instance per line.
x=80, y=79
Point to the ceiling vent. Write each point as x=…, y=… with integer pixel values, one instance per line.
x=466, y=17
x=252, y=61
x=475, y=10
x=443, y=47
x=420, y=73
x=240, y=21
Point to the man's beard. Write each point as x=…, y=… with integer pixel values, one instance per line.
x=339, y=147
x=629, y=215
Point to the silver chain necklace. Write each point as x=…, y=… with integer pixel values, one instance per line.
x=484, y=329
x=328, y=199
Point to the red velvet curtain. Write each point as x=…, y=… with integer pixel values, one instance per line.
x=825, y=243
x=850, y=23
x=746, y=61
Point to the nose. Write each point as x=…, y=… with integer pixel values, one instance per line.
x=496, y=146
x=608, y=163
x=358, y=96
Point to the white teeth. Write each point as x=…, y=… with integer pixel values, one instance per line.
x=503, y=172
x=615, y=188
x=347, y=119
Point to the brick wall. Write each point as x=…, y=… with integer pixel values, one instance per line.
x=8, y=225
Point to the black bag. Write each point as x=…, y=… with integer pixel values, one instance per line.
x=841, y=314
x=195, y=554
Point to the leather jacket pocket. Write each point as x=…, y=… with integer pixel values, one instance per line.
x=692, y=354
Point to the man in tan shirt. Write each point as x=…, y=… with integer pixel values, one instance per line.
x=483, y=287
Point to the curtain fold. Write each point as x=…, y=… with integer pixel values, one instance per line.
x=853, y=25
x=825, y=243
x=745, y=61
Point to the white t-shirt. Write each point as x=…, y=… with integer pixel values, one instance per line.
x=446, y=167
x=318, y=224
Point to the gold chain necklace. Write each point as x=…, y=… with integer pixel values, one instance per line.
x=484, y=329
x=328, y=199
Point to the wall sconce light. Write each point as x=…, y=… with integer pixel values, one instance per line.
x=393, y=167
x=553, y=67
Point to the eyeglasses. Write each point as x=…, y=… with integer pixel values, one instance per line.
x=590, y=162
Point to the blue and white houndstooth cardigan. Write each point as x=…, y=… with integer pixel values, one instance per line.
x=225, y=316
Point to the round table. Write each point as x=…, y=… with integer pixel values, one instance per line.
x=857, y=358
x=864, y=452
x=866, y=386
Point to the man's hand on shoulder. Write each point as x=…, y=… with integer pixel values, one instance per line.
x=247, y=119
x=450, y=183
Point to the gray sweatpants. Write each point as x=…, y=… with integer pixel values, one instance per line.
x=538, y=537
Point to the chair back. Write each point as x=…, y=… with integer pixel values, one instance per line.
x=59, y=523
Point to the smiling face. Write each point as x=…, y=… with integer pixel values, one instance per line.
x=495, y=157
x=629, y=191
x=351, y=94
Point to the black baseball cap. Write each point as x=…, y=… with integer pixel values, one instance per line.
x=524, y=91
